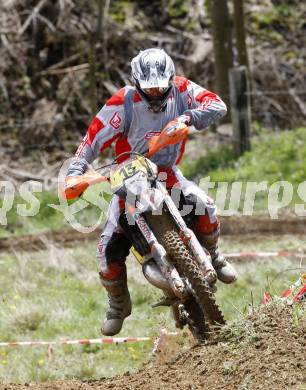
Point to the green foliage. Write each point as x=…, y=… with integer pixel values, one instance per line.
x=117, y=11
x=273, y=157
x=276, y=21
x=274, y=17
x=177, y=9
x=213, y=160
x=266, y=19
x=298, y=314
x=46, y=218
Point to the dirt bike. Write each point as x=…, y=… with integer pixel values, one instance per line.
x=172, y=258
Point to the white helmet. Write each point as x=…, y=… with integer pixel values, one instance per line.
x=152, y=73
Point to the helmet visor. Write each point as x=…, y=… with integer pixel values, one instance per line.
x=155, y=92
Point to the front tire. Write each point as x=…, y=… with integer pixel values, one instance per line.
x=196, y=322
x=188, y=268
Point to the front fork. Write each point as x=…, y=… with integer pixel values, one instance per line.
x=159, y=254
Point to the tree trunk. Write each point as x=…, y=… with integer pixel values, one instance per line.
x=94, y=37
x=241, y=110
x=222, y=39
x=240, y=33
x=92, y=74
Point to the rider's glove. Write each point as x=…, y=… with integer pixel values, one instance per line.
x=174, y=132
x=184, y=119
x=177, y=123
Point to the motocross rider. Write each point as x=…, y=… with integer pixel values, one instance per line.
x=159, y=97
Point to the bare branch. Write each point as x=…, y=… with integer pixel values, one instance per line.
x=32, y=16
x=75, y=68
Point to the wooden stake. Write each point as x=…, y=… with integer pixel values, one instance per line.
x=241, y=112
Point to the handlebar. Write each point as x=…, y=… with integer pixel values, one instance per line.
x=170, y=135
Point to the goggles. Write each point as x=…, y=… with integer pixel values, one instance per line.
x=155, y=92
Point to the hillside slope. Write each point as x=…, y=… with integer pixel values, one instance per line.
x=265, y=352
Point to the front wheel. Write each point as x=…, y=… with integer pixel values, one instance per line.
x=189, y=269
x=196, y=320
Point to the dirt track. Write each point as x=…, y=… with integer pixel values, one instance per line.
x=229, y=225
x=267, y=352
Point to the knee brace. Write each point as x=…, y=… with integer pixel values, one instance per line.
x=204, y=227
x=113, y=271
x=111, y=254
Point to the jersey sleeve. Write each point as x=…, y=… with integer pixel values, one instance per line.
x=205, y=107
x=106, y=127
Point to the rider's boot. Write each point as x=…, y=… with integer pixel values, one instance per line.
x=120, y=305
x=225, y=271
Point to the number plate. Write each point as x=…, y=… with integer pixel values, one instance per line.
x=137, y=255
x=125, y=171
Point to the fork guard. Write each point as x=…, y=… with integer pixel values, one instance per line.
x=203, y=260
x=159, y=254
x=189, y=239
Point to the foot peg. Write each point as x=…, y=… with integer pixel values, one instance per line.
x=166, y=301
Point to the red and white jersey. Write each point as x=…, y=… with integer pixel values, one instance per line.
x=204, y=108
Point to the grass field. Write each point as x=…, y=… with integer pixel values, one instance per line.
x=274, y=156
x=55, y=294
x=88, y=211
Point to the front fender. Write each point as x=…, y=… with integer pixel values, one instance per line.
x=151, y=200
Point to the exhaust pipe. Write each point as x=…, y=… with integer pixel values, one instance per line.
x=153, y=274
